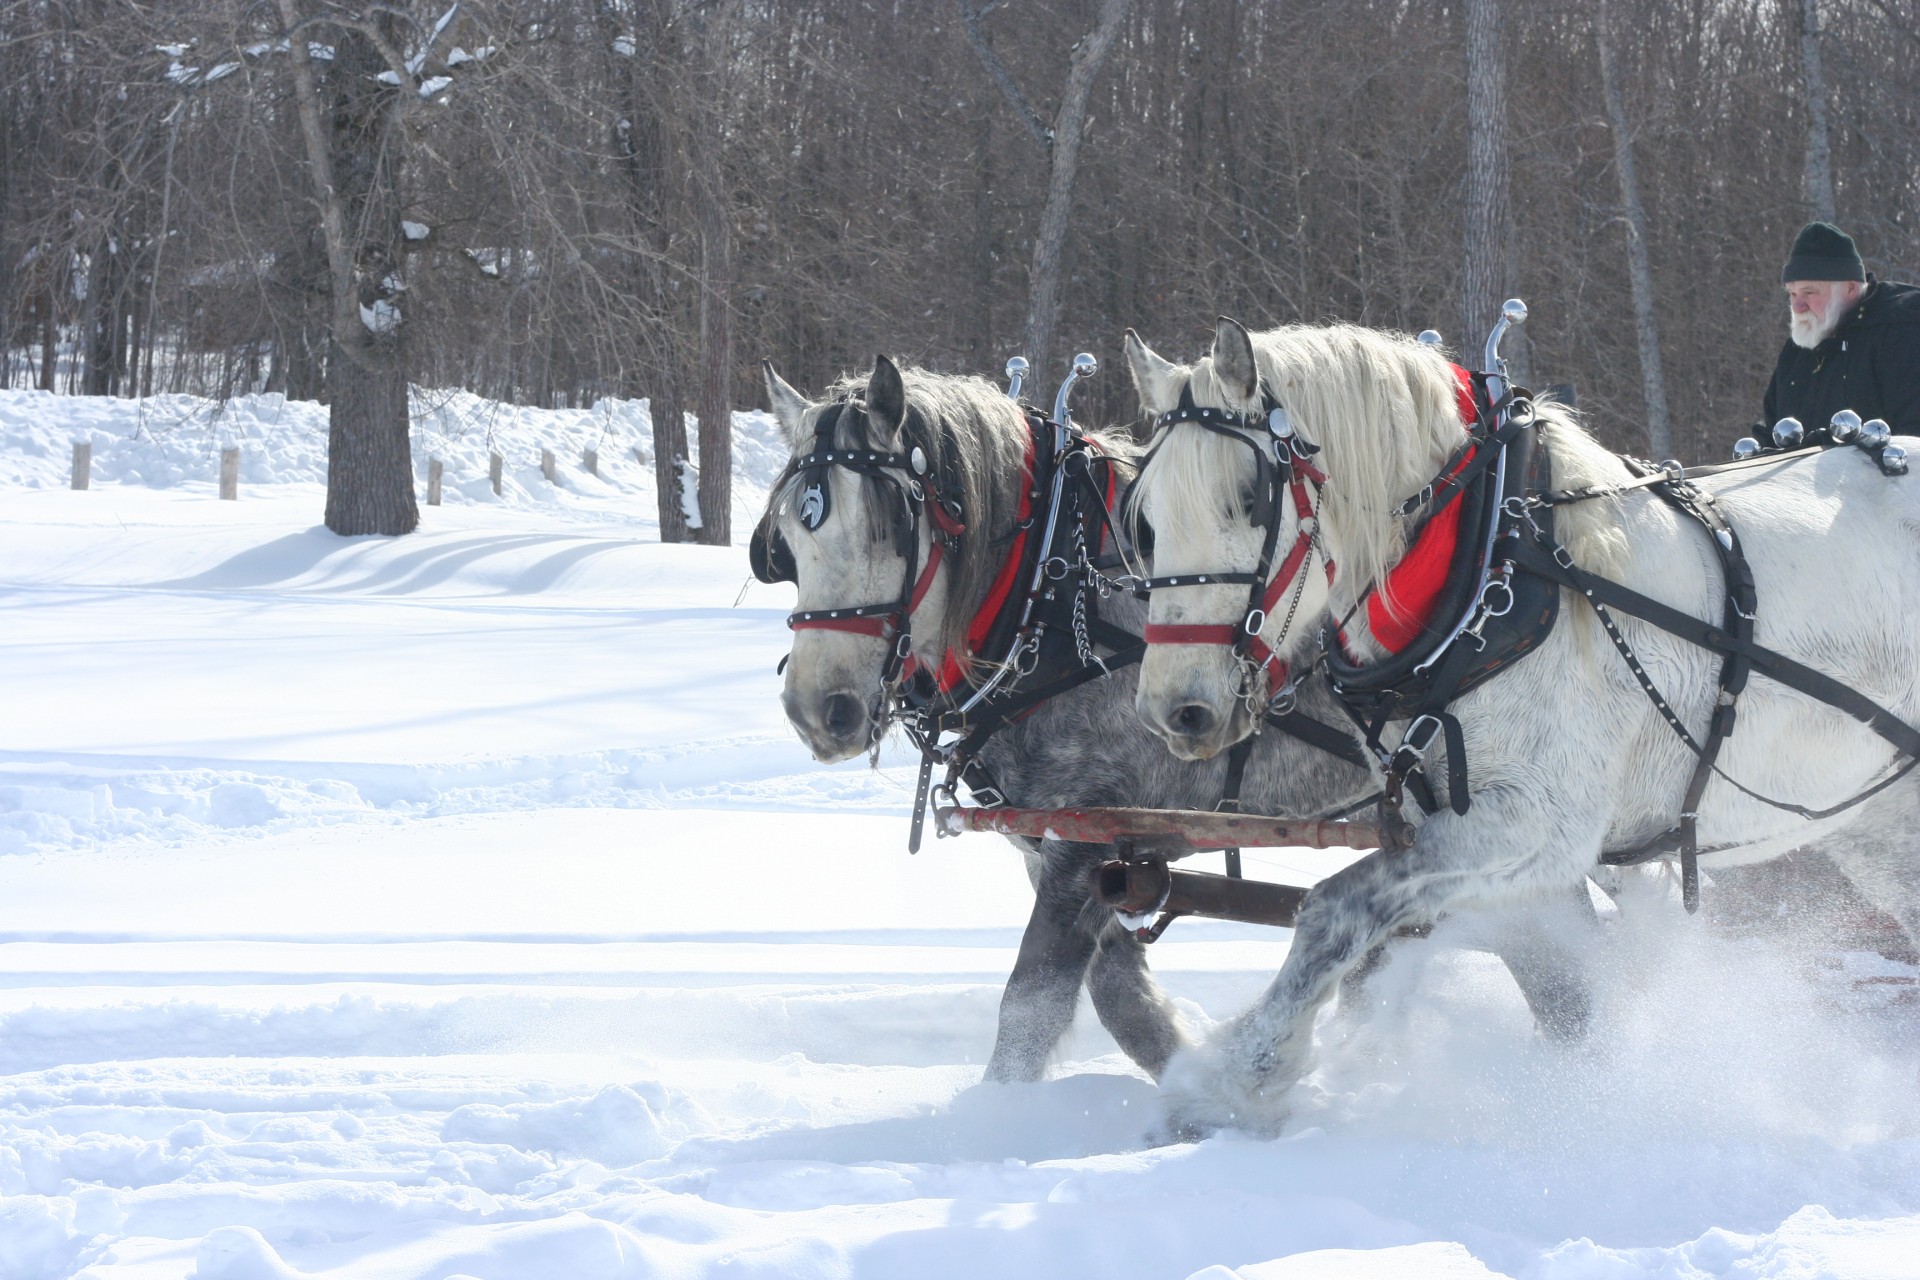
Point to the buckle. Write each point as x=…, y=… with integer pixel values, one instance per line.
x=1419, y=736
x=986, y=797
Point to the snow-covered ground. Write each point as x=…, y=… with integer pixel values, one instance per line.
x=460, y=905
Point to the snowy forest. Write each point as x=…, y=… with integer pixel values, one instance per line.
x=548, y=201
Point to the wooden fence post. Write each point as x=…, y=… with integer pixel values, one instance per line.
x=82, y=463
x=546, y=465
x=230, y=474
x=433, y=482
x=590, y=462
x=494, y=466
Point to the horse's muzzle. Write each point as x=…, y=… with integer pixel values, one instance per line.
x=836, y=726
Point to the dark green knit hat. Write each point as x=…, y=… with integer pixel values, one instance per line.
x=1823, y=251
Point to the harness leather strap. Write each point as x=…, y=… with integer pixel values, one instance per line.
x=1776, y=666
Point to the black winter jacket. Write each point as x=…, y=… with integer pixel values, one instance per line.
x=1870, y=364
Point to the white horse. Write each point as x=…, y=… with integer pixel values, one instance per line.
x=1565, y=754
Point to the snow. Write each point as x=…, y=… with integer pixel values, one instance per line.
x=382, y=317
x=461, y=905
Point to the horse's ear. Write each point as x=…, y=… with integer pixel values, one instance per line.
x=886, y=399
x=789, y=406
x=1233, y=365
x=1157, y=381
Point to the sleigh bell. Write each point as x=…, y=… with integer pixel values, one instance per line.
x=1874, y=433
x=1844, y=426
x=1893, y=460
x=1745, y=447
x=1788, y=433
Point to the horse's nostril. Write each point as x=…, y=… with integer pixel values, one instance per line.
x=842, y=715
x=1194, y=720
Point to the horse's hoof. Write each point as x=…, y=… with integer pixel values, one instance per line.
x=1202, y=1093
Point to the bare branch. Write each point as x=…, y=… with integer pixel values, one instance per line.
x=970, y=21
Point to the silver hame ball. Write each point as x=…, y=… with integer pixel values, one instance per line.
x=1016, y=365
x=1430, y=337
x=1874, y=433
x=1844, y=426
x=1085, y=365
x=1514, y=311
x=1745, y=447
x=1788, y=432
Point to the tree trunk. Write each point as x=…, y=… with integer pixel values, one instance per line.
x=1069, y=128
x=1817, y=179
x=1645, y=323
x=710, y=195
x=369, y=455
x=1489, y=277
x=105, y=345
x=715, y=409
x=49, y=340
x=651, y=140
x=350, y=161
x=1062, y=145
x=668, y=409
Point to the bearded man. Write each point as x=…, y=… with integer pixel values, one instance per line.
x=1853, y=342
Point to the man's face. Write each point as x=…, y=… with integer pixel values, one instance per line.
x=1816, y=307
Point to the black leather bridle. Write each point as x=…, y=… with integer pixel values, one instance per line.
x=1283, y=463
x=909, y=473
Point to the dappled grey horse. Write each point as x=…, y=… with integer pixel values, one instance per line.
x=1564, y=753
x=843, y=536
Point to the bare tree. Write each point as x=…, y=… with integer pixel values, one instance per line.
x=708, y=187
x=352, y=166
x=1646, y=325
x=1062, y=146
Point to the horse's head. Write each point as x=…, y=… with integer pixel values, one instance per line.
x=1280, y=461
x=883, y=515
x=1221, y=494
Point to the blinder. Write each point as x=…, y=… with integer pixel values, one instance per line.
x=771, y=557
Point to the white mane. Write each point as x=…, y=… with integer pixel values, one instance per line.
x=1382, y=409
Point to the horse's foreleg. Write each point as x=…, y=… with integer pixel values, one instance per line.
x=1131, y=1005
x=1037, y=1007
x=1240, y=1076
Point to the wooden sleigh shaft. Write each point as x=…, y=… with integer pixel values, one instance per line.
x=1158, y=828
x=1142, y=885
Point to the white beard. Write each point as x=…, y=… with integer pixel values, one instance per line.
x=1808, y=331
